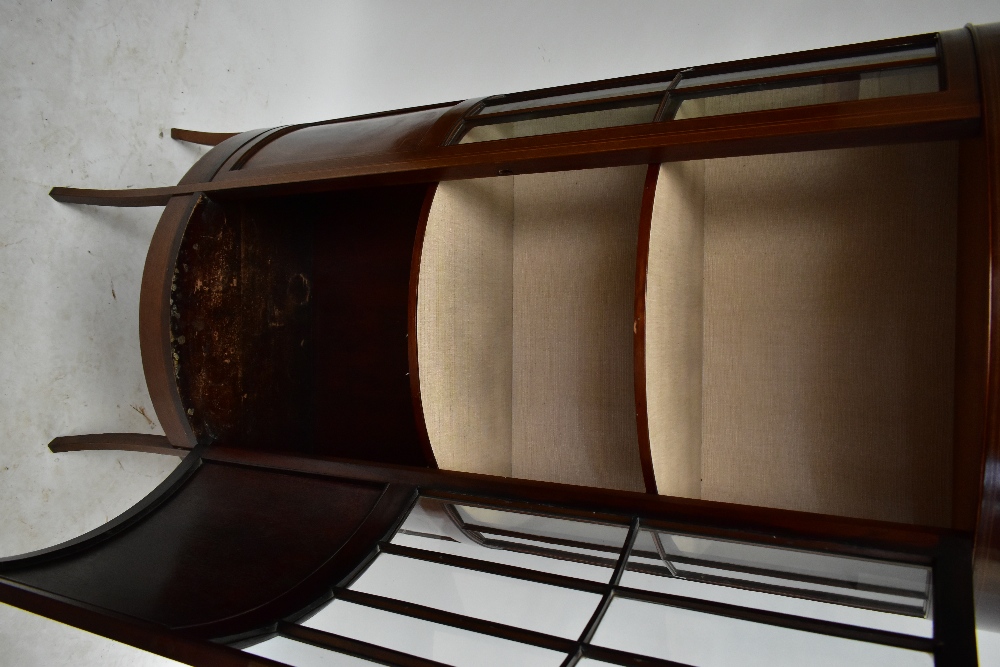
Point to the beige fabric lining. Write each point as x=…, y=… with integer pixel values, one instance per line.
x=563, y=271
x=574, y=290
x=828, y=332
x=464, y=298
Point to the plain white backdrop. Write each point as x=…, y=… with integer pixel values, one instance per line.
x=88, y=92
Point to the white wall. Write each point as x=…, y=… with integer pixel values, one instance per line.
x=89, y=92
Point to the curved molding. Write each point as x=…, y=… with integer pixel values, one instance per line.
x=127, y=630
x=449, y=124
x=306, y=597
x=123, y=521
x=208, y=166
x=122, y=442
x=639, y=327
x=411, y=334
x=264, y=139
x=154, y=320
x=987, y=542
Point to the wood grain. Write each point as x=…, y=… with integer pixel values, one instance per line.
x=124, y=442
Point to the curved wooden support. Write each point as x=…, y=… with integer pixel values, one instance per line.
x=123, y=198
x=201, y=138
x=987, y=544
x=244, y=547
x=154, y=320
x=197, y=177
x=639, y=328
x=124, y=442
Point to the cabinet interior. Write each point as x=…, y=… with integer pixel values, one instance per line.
x=800, y=329
x=524, y=326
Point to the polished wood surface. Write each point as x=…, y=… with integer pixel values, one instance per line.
x=773, y=526
x=987, y=549
x=183, y=567
x=143, y=635
x=202, y=138
x=864, y=122
x=208, y=166
x=124, y=442
x=396, y=133
x=155, y=316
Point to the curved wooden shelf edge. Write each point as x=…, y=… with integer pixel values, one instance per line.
x=639, y=329
x=164, y=490
x=201, y=138
x=123, y=442
x=303, y=599
x=154, y=320
x=987, y=537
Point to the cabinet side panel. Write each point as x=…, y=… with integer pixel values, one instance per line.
x=361, y=289
x=464, y=310
x=674, y=305
x=829, y=331
x=575, y=237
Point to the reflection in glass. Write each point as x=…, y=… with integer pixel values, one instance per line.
x=567, y=122
x=883, y=58
x=524, y=604
x=500, y=105
x=736, y=594
x=425, y=639
x=300, y=654
x=673, y=571
x=579, y=549
x=706, y=640
x=890, y=596
x=805, y=92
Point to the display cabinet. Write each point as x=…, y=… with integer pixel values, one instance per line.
x=692, y=367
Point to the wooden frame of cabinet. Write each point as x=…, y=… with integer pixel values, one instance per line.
x=244, y=407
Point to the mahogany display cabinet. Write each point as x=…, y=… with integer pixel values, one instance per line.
x=697, y=367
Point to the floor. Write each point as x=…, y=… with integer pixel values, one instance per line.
x=89, y=93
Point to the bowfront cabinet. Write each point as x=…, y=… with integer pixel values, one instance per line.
x=686, y=368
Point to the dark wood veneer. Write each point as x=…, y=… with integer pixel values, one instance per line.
x=155, y=316
x=363, y=399
x=861, y=537
x=183, y=567
x=987, y=547
x=639, y=328
x=130, y=442
x=119, y=627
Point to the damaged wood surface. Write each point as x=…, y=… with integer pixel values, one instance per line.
x=289, y=324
